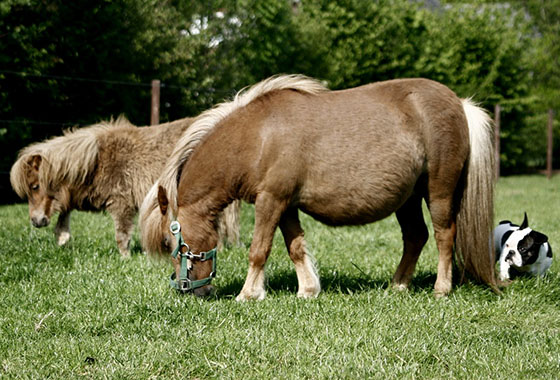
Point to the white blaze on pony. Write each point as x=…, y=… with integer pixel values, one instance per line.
x=109, y=166
x=344, y=157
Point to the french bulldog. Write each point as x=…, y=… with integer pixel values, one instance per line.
x=521, y=250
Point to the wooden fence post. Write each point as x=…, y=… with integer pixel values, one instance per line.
x=156, y=85
x=549, y=144
x=497, y=115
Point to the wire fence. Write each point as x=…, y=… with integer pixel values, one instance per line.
x=25, y=120
x=54, y=126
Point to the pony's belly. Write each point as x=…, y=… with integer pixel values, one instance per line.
x=342, y=207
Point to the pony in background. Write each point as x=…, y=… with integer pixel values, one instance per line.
x=108, y=166
x=346, y=157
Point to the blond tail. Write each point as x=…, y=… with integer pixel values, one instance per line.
x=475, y=220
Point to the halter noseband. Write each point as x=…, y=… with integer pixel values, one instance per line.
x=184, y=283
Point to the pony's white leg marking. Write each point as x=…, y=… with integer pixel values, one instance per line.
x=254, y=285
x=62, y=228
x=309, y=285
x=268, y=211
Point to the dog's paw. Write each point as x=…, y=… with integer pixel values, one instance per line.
x=503, y=283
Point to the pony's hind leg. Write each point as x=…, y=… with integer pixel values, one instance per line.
x=268, y=211
x=445, y=229
x=124, y=226
x=415, y=234
x=308, y=280
x=62, y=228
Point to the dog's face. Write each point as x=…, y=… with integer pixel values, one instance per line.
x=523, y=246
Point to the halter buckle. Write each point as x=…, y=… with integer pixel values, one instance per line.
x=175, y=227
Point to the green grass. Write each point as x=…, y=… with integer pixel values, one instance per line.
x=83, y=312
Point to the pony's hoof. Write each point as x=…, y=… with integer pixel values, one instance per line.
x=440, y=294
x=125, y=255
x=63, y=238
x=244, y=296
x=400, y=287
x=309, y=293
x=442, y=289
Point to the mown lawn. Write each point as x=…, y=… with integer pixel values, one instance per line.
x=83, y=312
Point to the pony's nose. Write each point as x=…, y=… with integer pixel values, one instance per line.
x=204, y=291
x=40, y=221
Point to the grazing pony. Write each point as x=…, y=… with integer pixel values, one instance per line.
x=108, y=166
x=345, y=157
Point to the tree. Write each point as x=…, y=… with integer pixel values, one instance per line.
x=544, y=57
x=66, y=63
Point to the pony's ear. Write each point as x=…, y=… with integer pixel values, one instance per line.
x=525, y=223
x=162, y=200
x=35, y=161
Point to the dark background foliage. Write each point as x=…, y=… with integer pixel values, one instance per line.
x=74, y=63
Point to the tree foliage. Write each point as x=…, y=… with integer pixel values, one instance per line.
x=64, y=63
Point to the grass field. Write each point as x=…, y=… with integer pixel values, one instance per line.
x=83, y=312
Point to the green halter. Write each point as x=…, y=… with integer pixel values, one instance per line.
x=185, y=284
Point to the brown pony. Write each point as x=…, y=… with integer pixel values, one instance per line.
x=345, y=157
x=108, y=166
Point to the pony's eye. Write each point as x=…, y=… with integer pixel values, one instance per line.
x=35, y=187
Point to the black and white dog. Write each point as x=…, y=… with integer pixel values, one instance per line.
x=521, y=250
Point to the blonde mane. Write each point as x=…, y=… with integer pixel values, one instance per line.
x=18, y=177
x=68, y=159
x=205, y=122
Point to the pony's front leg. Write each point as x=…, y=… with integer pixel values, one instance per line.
x=124, y=225
x=62, y=228
x=308, y=279
x=268, y=211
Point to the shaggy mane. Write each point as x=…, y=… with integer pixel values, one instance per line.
x=204, y=123
x=67, y=159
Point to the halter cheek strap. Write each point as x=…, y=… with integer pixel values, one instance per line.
x=184, y=283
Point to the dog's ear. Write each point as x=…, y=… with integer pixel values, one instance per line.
x=538, y=238
x=162, y=200
x=525, y=223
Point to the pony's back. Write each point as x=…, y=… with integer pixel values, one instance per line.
x=130, y=159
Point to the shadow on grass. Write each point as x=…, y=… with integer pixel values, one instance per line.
x=136, y=248
x=331, y=282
